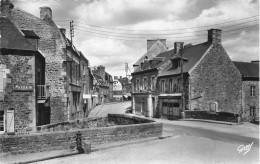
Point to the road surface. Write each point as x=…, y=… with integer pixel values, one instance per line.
x=185, y=142
x=113, y=108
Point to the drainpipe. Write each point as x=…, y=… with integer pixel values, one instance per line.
x=182, y=83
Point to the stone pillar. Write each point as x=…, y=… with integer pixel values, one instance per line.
x=150, y=105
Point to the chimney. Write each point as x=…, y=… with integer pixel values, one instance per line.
x=63, y=31
x=45, y=11
x=214, y=36
x=177, y=47
x=151, y=42
x=6, y=8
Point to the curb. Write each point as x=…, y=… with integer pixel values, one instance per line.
x=210, y=121
x=48, y=158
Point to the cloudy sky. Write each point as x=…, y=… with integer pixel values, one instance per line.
x=114, y=32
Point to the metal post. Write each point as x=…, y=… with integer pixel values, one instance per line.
x=71, y=31
x=182, y=82
x=79, y=142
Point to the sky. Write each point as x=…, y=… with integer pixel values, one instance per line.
x=114, y=32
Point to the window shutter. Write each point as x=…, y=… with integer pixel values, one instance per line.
x=1, y=81
x=10, y=121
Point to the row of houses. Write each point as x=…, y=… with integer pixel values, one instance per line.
x=167, y=82
x=122, y=89
x=44, y=79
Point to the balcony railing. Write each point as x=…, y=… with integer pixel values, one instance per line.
x=42, y=91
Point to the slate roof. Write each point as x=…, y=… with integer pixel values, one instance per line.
x=150, y=52
x=192, y=54
x=248, y=69
x=163, y=57
x=12, y=38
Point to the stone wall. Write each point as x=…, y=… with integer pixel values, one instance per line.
x=250, y=101
x=21, y=72
x=66, y=139
x=216, y=79
x=121, y=119
x=53, y=47
x=75, y=124
x=218, y=116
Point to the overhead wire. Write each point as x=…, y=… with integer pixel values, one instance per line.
x=138, y=37
x=116, y=32
x=143, y=40
x=168, y=29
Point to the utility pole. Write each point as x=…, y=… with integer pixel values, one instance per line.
x=182, y=82
x=126, y=69
x=71, y=31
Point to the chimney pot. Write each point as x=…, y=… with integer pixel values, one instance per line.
x=214, y=36
x=45, y=11
x=5, y=8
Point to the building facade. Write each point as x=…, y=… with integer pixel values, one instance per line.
x=144, y=78
x=103, y=84
x=211, y=82
x=24, y=101
x=250, y=89
x=64, y=64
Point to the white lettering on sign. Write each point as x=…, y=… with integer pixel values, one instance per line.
x=23, y=87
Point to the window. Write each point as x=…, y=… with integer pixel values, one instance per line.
x=137, y=84
x=163, y=85
x=152, y=83
x=145, y=84
x=2, y=122
x=252, y=111
x=179, y=85
x=252, y=90
x=171, y=85
x=165, y=108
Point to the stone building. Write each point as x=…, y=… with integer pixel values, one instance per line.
x=250, y=89
x=144, y=78
x=211, y=81
x=103, y=84
x=64, y=64
x=24, y=102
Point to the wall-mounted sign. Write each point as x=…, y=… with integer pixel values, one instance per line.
x=23, y=88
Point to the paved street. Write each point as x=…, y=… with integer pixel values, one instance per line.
x=181, y=148
x=113, y=108
x=184, y=142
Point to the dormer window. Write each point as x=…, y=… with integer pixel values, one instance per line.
x=176, y=63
